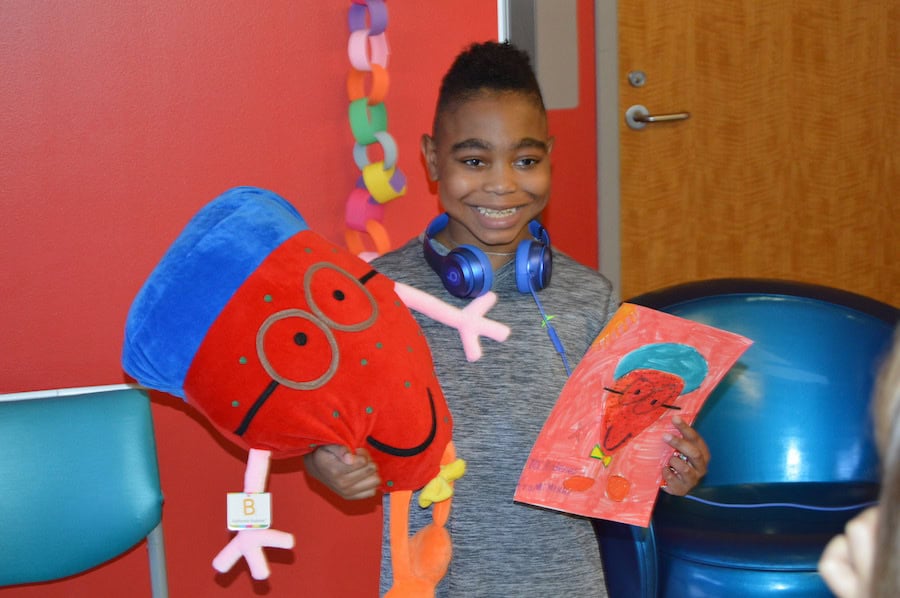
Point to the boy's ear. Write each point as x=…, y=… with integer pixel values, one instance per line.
x=426, y=143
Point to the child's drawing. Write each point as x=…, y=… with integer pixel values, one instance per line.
x=601, y=451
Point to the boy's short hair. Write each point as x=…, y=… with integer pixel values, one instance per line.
x=487, y=66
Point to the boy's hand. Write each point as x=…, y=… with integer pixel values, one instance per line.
x=350, y=476
x=689, y=462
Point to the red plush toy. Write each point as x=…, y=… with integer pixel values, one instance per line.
x=286, y=342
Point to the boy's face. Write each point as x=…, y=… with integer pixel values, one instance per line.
x=491, y=159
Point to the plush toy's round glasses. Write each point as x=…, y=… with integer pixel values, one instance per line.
x=297, y=347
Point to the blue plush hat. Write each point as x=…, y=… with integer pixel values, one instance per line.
x=682, y=360
x=216, y=252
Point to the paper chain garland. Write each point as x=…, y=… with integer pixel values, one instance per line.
x=380, y=181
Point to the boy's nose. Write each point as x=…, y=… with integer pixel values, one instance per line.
x=501, y=179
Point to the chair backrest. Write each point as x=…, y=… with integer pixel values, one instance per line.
x=80, y=484
x=795, y=408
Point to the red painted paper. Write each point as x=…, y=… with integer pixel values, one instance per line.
x=601, y=452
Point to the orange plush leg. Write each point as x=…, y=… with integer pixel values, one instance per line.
x=419, y=562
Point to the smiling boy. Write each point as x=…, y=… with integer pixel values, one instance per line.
x=489, y=154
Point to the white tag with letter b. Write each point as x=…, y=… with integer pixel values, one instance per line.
x=249, y=510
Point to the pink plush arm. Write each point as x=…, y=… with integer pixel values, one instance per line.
x=469, y=320
x=257, y=471
x=249, y=543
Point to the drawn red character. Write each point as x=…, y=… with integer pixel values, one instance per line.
x=648, y=381
x=641, y=397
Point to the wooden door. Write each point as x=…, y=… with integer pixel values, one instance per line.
x=789, y=166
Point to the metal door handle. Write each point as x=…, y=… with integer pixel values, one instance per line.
x=637, y=117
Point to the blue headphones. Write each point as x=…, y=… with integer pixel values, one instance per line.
x=467, y=272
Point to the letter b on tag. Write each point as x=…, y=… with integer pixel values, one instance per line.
x=249, y=510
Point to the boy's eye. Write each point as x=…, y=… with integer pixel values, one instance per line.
x=473, y=162
x=526, y=162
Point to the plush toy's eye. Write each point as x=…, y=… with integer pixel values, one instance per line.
x=339, y=298
x=297, y=349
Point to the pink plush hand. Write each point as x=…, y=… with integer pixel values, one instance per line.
x=249, y=543
x=470, y=320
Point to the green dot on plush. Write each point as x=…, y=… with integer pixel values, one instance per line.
x=364, y=362
x=379, y=345
x=389, y=484
x=242, y=361
x=235, y=403
x=407, y=384
x=335, y=413
x=369, y=410
x=268, y=298
x=308, y=249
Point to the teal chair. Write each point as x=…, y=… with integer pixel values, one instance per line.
x=80, y=484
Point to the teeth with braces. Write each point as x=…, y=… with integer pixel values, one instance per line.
x=496, y=213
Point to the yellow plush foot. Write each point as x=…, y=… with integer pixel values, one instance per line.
x=441, y=487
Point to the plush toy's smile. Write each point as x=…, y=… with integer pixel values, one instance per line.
x=374, y=442
x=412, y=451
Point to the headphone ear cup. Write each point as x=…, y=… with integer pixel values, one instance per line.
x=467, y=272
x=533, y=266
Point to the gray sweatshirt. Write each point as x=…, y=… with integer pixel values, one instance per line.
x=499, y=404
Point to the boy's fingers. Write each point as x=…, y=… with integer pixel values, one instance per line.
x=338, y=452
x=690, y=447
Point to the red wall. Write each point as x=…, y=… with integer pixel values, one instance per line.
x=118, y=121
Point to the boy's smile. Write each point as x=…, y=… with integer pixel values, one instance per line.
x=490, y=158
